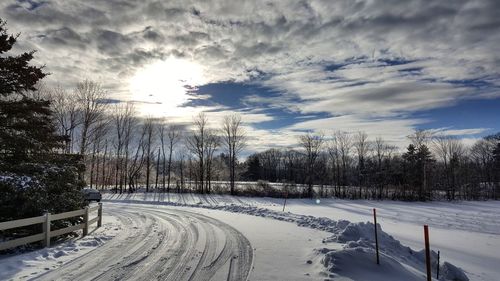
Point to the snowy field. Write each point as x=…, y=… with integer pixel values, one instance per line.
x=194, y=237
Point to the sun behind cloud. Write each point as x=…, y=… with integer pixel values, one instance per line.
x=162, y=86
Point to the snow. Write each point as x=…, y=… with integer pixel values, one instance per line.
x=413, y=262
x=21, y=182
x=334, y=240
x=32, y=264
x=281, y=249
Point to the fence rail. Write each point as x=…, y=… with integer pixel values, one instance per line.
x=47, y=232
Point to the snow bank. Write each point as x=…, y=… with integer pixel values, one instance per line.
x=358, y=263
x=32, y=264
x=398, y=262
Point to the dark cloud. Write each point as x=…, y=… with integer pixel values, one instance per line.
x=150, y=34
x=111, y=42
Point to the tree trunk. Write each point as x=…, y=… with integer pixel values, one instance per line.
x=157, y=169
x=104, y=165
x=92, y=164
x=169, y=167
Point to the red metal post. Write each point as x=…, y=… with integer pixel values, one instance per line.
x=427, y=253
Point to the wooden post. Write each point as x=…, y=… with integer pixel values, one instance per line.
x=86, y=221
x=99, y=214
x=427, y=253
x=376, y=234
x=437, y=269
x=46, y=230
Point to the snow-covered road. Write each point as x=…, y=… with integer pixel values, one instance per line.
x=163, y=244
x=194, y=237
x=466, y=233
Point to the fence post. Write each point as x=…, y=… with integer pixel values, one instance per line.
x=99, y=214
x=86, y=221
x=427, y=253
x=46, y=230
x=376, y=234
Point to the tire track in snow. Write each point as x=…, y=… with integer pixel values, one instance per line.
x=162, y=244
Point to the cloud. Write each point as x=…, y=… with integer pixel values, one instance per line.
x=393, y=130
x=458, y=132
x=363, y=63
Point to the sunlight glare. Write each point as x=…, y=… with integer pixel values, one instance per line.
x=162, y=86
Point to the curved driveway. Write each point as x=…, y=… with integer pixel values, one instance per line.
x=163, y=244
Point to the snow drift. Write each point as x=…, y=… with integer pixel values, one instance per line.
x=397, y=262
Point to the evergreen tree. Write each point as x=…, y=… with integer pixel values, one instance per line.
x=496, y=169
x=417, y=162
x=33, y=177
x=16, y=75
x=410, y=166
x=26, y=127
x=253, y=171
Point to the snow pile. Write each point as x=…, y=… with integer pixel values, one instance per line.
x=359, y=264
x=357, y=254
x=451, y=272
x=396, y=261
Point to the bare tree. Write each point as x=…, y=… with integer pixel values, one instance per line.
x=169, y=135
x=98, y=134
x=149, y=127
x=380, y=153
x=124, y=122
x=344, y=145
x=139, y=158
x=157, y=168
x=65, y=108
x=103, y=169
x=196, y=143
x=420, y=137
x=90, y=97
x=482, y=154
x=334, y=155
x=234, y=141
x=451, y=150
x=181, y=171
x=212, y=143
x=291, y=159
x=362, y=147
x=162, y=132
x=312, y=145
x=270, y=160
x=173, y=136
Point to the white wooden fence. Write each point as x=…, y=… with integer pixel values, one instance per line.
x=47, y=233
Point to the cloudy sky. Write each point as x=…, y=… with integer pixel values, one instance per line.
x=385, y=67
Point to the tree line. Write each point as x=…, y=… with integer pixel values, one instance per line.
x=350, y=165
x=124, y=152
